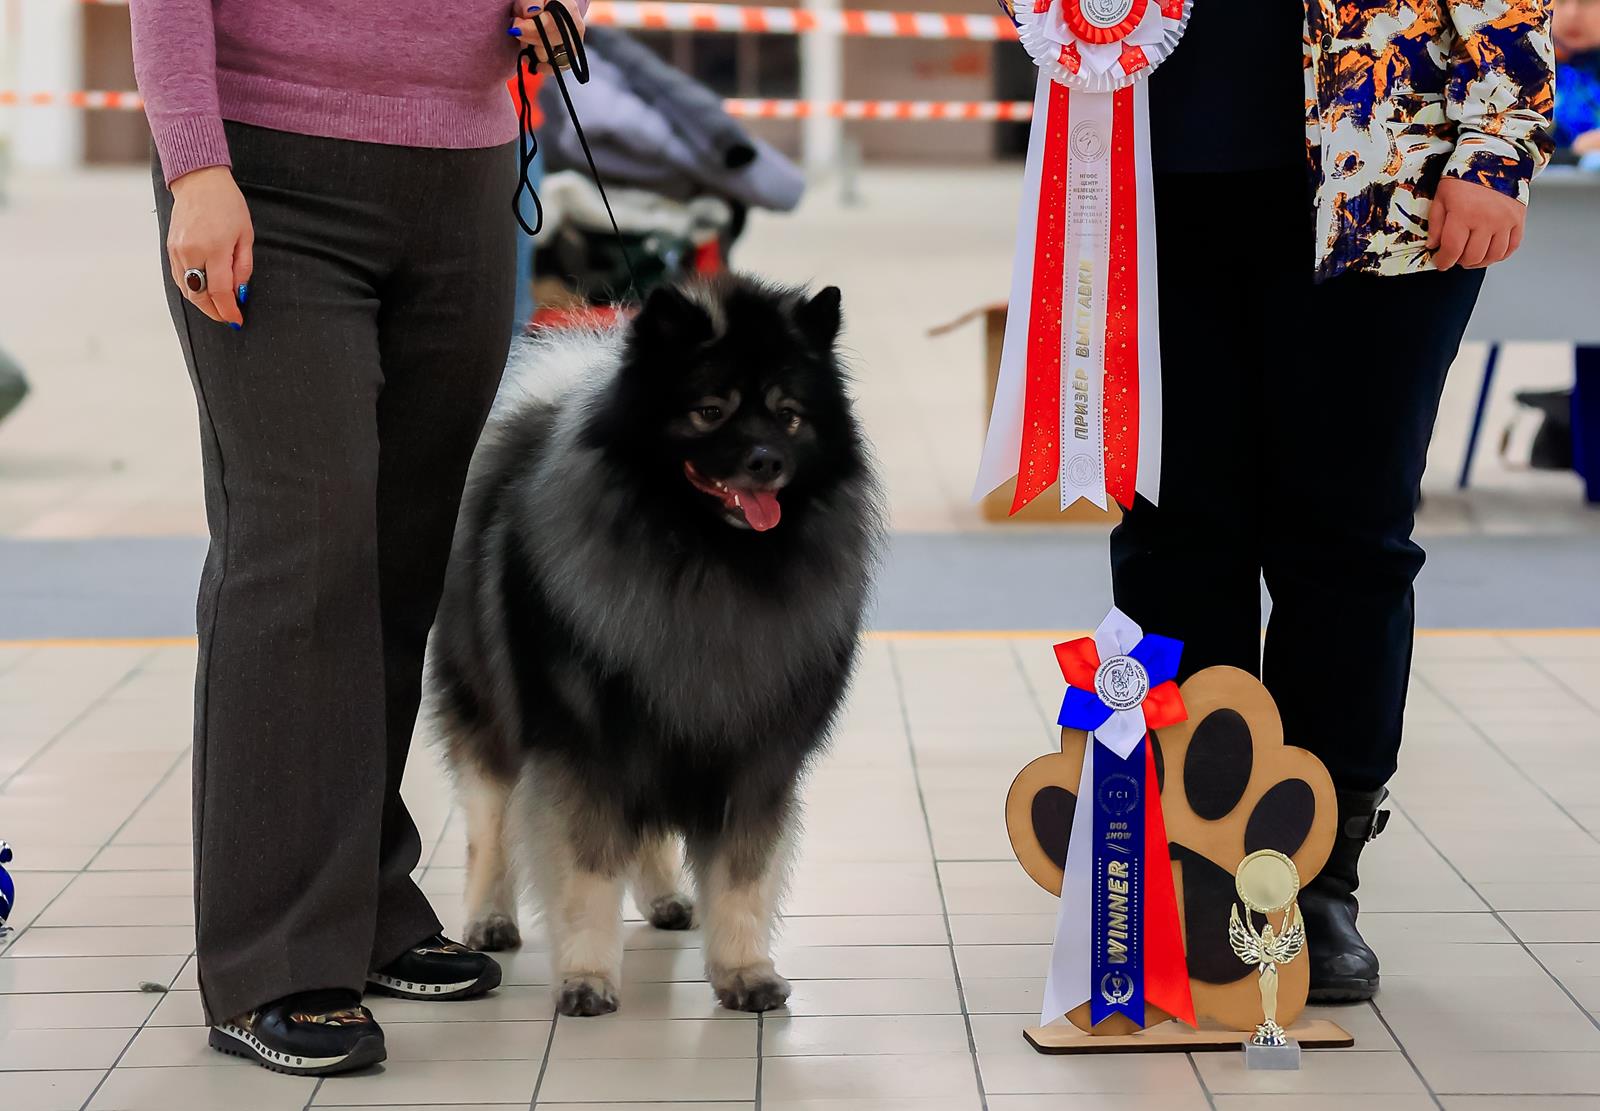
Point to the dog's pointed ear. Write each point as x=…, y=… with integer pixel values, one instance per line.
x=821, y=317
x=672, y=319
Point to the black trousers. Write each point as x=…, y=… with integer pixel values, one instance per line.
x=1297, y=421
x=335, y=431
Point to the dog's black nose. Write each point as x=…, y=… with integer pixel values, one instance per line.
x=763, y=464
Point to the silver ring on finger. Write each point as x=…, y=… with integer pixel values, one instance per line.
x=560, y=58
x=194, y=280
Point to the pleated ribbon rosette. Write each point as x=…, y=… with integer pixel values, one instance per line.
x=1079, y=392
x=1119, y=942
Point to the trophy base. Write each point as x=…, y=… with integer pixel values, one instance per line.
x=1175, y=1037
x=1284, y=1058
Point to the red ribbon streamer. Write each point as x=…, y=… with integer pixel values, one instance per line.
x=1166, y=973
x=1121, y=390
x=1040, y=464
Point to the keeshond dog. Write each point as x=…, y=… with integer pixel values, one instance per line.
x=650, y=621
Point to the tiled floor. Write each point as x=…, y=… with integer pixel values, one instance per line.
x=916, y=944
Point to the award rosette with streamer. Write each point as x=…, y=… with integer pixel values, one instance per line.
x=1079, y=392
x=1119, y=943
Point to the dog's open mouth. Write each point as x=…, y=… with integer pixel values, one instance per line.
x=754, y=507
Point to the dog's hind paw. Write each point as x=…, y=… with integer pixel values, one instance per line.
x=751, y=989
x=672, y=912
x=493, y=933
x=586, y=996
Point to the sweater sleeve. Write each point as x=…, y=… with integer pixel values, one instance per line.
x=175, y=63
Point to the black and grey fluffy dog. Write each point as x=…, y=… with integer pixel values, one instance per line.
x=650, y=622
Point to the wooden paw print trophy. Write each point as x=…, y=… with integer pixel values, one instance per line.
x=1177, y=828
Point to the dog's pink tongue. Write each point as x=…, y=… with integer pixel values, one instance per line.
x=760, y=508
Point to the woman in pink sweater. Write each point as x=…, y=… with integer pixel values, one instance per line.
x=335, y=207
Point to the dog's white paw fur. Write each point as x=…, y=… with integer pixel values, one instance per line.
x=493, y=933
x=756, y=988
x=585, y=996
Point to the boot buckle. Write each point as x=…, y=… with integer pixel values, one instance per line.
x=1367, y=827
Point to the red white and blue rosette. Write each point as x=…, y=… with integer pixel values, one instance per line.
x=1079, y=392
x=1119, y=942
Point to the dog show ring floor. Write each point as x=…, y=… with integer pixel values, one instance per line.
x=916, y=944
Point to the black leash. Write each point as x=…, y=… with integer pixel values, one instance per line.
x=528, y=144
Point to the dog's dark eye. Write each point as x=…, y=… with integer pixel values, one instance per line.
x=704, y=418
x=790, y=417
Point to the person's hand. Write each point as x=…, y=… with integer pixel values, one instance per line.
x=528, y=15
x=1473, y=225
x=211, y=231
x=1588, y=142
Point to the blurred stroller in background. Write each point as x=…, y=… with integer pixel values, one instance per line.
x=681, y=173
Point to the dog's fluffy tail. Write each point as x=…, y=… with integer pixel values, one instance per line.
x=550, y=364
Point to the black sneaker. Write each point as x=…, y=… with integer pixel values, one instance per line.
x=314, y=1033
x=436, y=968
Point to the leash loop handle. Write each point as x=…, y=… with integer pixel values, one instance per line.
x=528, y=144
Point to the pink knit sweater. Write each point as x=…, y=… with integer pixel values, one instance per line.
x=423, y=73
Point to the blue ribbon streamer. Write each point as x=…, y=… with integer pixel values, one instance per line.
x=1116, y=983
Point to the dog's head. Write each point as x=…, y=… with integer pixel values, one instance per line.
x=730, y=403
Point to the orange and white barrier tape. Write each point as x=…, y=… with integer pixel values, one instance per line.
x=10, y=98
x=881, y=109
x=981, y=110
x=651, y=15
x=655, y=16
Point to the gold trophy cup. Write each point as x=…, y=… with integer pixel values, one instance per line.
x=1267, y=882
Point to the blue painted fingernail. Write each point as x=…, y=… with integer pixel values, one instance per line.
x=244, y=292
x=234, y=326
x=534, y=8
x=515, y=32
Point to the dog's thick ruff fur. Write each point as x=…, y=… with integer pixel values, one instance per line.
x=621, y=667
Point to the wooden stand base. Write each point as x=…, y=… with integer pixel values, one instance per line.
x=1175, y=1037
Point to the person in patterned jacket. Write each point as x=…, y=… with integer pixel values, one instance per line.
x=1307, y=324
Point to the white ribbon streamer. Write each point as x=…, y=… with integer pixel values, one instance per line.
x=1003, y=444
x=1067, y=984
x=1084, y=329
x=1148, y=479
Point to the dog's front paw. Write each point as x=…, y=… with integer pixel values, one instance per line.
x=751, y=989
x=493, y=933
x=586, y=996
x=672, y=912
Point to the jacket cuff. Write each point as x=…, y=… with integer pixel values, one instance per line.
x=1494, y=162
x=187, y=143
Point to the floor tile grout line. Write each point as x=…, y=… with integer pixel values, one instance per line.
x=176, y=764
x=143, y=1024
x=1498, y=917
x=17, y=935
x=1205, y=1089
x=1027, y=681
x=94, y=704
x=1505, y=756
x=1563, y=684
x=1406, y=1053
x=938, y=878
x=761, y=1030
x=312, y=1098
x=544, y=1062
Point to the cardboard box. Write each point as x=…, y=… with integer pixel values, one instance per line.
x=1046, y=508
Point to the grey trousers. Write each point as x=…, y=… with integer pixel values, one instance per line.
x=335, y=431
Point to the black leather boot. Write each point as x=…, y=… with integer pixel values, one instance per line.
x=1344, y=969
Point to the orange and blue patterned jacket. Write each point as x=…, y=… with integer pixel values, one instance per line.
x=1402, y=92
